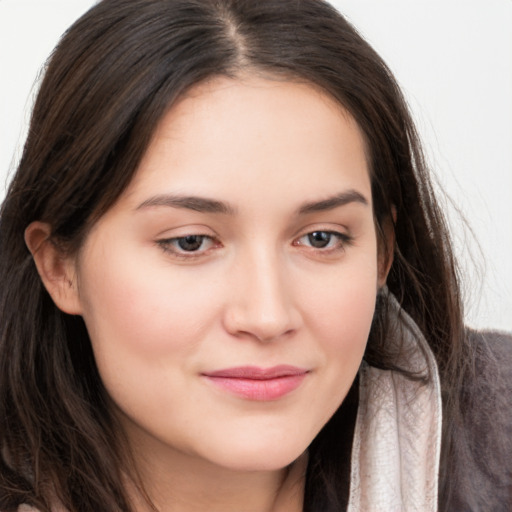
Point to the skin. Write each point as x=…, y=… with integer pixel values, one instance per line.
x=256, y=291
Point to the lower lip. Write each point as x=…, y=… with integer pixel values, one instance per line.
x=259, y=389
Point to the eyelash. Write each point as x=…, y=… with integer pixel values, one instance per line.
x=171, y=245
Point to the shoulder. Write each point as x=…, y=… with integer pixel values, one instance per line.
x=496, y=344
x=484, y=455
x=490, y=388
x=489, y=385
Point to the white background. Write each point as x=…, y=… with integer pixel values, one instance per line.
x=454, y=62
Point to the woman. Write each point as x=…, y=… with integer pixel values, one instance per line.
x=237, y=287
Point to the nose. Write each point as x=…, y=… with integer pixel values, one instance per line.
x=261, y=303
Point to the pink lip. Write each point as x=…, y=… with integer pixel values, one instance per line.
x=262, y=384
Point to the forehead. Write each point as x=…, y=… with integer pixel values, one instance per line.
x=254, y=131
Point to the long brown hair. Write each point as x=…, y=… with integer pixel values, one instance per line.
x=107, y=84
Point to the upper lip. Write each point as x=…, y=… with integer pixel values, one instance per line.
x=257, y=373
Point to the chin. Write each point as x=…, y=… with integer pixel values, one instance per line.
x=258, y=456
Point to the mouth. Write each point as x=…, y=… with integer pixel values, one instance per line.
x=258, y=384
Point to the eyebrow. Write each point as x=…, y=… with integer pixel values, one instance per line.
x=206, y=205
x=195, y=203
x=330, y=203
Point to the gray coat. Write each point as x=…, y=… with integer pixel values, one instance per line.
x=481, y=466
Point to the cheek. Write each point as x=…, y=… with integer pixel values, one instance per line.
x=340, y=317
x=137, y=309
x=346, y=325
x=342, y=303
x=146, y=324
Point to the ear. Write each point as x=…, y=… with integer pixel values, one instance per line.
x=386, y=248
x=56, y=270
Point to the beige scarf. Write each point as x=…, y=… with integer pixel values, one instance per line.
x=397, y=439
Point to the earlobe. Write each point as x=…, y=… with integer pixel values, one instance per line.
x=56, y=269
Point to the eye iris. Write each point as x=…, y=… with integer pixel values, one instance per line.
x=190, y=242
x=319, y=239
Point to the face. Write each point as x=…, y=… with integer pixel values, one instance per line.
x=229, y=292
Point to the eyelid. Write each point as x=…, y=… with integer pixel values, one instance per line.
x=185, y=229
x=327, y=227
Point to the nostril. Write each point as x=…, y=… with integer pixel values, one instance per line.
x=246, y=323
x=274, y=335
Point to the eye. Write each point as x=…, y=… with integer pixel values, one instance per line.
x=324, y=240
x=190, y=243
x=319, y=239
x=187, y=245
